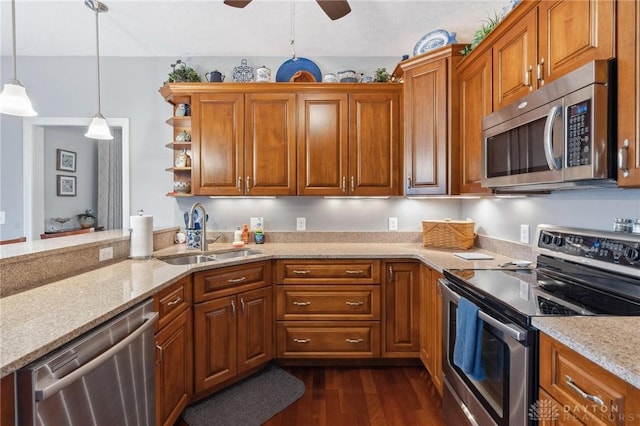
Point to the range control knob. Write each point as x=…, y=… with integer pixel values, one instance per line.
x=631, y=254
x=546, y=238
x=558, y=240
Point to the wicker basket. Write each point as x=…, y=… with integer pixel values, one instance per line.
x=447, y=233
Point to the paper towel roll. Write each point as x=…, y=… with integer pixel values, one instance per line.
x=141, y=243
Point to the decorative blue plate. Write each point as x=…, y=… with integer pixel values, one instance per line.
x=292, y=66
x=433, y=40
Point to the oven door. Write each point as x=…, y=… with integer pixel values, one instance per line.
x=503, y=397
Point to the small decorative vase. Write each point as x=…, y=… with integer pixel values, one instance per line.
x=86, y=221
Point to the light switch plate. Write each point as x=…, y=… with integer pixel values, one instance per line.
x=393, y=224
x=524, y=234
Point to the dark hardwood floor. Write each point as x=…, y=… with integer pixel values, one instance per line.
x=377, y=396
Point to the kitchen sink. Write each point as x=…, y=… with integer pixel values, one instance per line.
x=191, y=259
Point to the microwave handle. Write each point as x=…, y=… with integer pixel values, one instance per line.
x=553, y=162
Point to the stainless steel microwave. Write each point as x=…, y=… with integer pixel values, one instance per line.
x=560, y=136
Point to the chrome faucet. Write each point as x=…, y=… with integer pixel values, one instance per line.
x=191, y=225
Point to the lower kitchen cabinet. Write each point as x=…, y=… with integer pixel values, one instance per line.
x=174, y=351
x=582, y=391
x=233, y=332
x=401, y=314
x=431, y=324
x=7, y=402
x=328, y=339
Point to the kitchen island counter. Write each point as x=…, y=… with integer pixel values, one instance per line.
x=37, y=321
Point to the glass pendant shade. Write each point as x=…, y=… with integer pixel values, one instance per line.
x=14, y=100
x=98, y=129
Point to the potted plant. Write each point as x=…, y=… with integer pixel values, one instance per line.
x=86, y=219
x=382, y=76
x=182, y=73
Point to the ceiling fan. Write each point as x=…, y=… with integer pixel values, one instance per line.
x=335, y=9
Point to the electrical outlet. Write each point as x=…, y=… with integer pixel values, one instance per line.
x=301, y=224
x=393, y=224
x=3, y=218
x=105, y=254
x=524, y=234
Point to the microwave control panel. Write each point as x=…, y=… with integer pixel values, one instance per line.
x=579, y=134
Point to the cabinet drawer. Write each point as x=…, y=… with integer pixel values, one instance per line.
x=586, y=390
x=314, y=302
x=207, y=283
x=171, y=301
x=347, y=271
x=328, y=339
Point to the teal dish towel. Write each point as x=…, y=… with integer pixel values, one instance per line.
x=467, y=352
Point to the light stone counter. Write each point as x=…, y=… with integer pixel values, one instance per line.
x=37, y=321
x=611, y=342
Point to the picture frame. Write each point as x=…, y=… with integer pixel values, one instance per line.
x=65, y=186
x=65, y=160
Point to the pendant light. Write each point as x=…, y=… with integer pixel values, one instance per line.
x=98, y=129
x=14, y=99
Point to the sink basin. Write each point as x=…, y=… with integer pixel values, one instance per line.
x=191, y=259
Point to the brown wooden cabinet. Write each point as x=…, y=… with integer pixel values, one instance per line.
x=349, y=142
x=585, y=392
x=233, y=322
x=401, y=313
x=431, y=122
x=174, y=351
x=628, y=61
x=431, y=324
x=8, y=400
x=552, y=39
x=475, y=80
x=328, y=308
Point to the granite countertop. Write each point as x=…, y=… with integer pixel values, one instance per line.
x=611, y=342
x=37, y=321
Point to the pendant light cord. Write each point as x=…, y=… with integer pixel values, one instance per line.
x=98, y=57
x=13, y=29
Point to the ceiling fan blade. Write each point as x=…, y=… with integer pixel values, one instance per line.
x=335, y=9
x=237, y=3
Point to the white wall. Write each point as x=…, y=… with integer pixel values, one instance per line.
x=69, y=139
x=130, y=89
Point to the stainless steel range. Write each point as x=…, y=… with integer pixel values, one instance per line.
x=578, y=272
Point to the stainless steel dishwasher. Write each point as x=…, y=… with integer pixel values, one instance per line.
x=105, y=377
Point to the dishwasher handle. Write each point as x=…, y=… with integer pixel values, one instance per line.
x=46, y=392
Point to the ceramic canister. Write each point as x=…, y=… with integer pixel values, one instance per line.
x=330, y=78
x=263, y=74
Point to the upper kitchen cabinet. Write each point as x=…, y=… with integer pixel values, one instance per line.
x=475, y=93
x=628, y=59
x=549, y=40
x=431, y=122
x=244, y=144
x=349, y=141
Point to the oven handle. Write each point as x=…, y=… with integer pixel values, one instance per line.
x=552, y=162
x=515, y=332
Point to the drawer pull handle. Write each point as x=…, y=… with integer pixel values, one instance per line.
x=354, y=340
x=301, y=271
x=236, y=280
x=354, y=271
x=582, y=393
x=354, y=303
x=302, y=340
x=301, y=303
x=173, y=302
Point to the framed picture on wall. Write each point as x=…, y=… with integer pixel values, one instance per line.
x=66, y=160
x=66, y=186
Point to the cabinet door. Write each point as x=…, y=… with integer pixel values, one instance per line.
x=218, y=144
x=401, y=310
x=322, y=143
x=255, y=328
x=628, y=59
x=514, y=61
x=174, y=368
x=426, y=128
x=475, y=103
x=215, y=342
x=431, y=324
x=374, y=125
x=573, y=33
x=270, y=156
